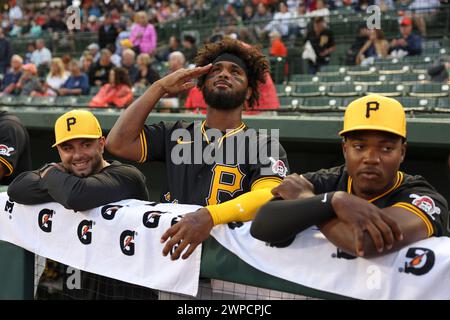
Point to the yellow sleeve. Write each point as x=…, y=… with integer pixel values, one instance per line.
x=244, y=207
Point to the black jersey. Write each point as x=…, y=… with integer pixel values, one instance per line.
x=207, y=167
x=412, y=193
x=15, y=150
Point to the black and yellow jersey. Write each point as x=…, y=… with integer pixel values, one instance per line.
x=205, y=166
x=412, y=193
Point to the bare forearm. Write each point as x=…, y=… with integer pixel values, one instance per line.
x=129, y=125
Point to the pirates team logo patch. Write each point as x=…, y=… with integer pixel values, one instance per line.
x=5, y=150
x=278, y=167
x=426, y=204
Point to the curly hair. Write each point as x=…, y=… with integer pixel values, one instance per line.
x=257, y=64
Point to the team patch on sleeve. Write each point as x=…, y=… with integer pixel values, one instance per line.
x=426, y=204
x=5, y=150
x=278, y=167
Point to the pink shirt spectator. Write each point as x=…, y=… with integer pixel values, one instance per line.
x=144, y=37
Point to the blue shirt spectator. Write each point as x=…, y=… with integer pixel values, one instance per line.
x=77, y=83
x=13, y=75
x=409, y=42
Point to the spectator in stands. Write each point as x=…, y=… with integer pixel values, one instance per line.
x=5, y=52
x=66, y=58
x=174, y=45
x=375, y=48
x=56, y=77
x=107, y=33
x=129, y=63
x=362, y=5
x=385, y=5
x=35, y=30
x=98, y=73
x=322, y=42
x=115, y=58
x=439, y=72
x=281, y=20
x=277, y=47
x=146, y=74
x=31, y=47
x=15, y=13
x=41, y=57
x=248, y=14
x=86, y=62
x=16, y=30
x=29, y=84
x=195, y=102
x=320, y=11
x=94, y=51
x=77, y=83
x=15, y=157
x=228, y=16
x=116, y=93
x=189, y=48
x=300, y=20
x=360, y=41
x=124, y=29
x=93, y=25
x=143, y=34
x=13, y=75
x=176, y=62
x=83, y=180
x=424, y=11
x=409, y=43
x=261, y=18
x=366, y=207
x=55, y=23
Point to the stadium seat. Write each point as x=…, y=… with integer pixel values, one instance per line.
x=44, y=101
x=94, y=90
x=409, y=78
x=308, y=90
x=277, y=69
x=331, y=70
x=7, y=100
x=22, y=101
x=138, y=91
x=443, y=104
x=321, y=103
x=345, y=90
x=66, y=101
x=393, y=69
x=388, y=90
x=83, y=101
x=361, y=70
x=290, y=102
x=346, y=101
x=432, y=90
x=369, y=79
x=303, y=79
x=416, y=103
x=335, y=79
x=284, y=90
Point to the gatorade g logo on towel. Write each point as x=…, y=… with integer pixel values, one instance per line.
x=343, y=255
x=421, y=261
x=84, y=231
x=45, y=220
x=151, y=218
x=109, y=211
x=127, y=242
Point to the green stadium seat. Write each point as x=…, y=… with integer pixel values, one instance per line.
x=303, y=79
x=22, y=101
x=331, y=70
x=346, y=101
x=138, y=91
x=388, y=90
x=284, y=90
x=432, y=90
x=361, y=70
x=370, y=79
x=335, y=79
x=345, y=90
x=8, y=100
x=393, y=69
x=420, y=68
x=44, y=101
x=83, y=101
x=66, y=101
x=94, y=90
x=290, y=102
x=409, y=78
x=321, y=103
x=443, y=104
x=416, y=103
x=277, y=68
x=308, y=90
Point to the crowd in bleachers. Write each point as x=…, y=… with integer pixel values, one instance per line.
x=131, y=51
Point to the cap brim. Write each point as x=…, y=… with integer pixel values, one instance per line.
x=87, y=136
x=374, y=128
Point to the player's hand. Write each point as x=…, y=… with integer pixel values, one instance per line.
x=362, y=216
x=294, y=187
x=51, y=166
x=181, y=79
x=193, y=229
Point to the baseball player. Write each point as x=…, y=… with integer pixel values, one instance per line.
x=232, y=190
x=367, y=206
x=15, y=150
x=84, y=180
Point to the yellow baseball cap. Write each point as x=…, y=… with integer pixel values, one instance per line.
x=76, y=124
x=375, y=112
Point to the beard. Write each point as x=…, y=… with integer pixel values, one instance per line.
x=222, y=100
